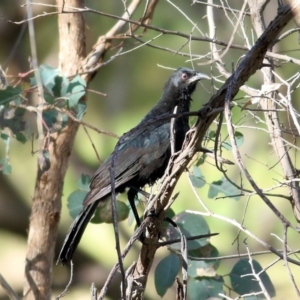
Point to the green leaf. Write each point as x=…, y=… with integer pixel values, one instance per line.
x=104, y=212
x=5, y=166
x=205, y=288
x=48, y=77
x=242, y=284
x=84, y=182
x=75, y=91
x=197, y=179
x=239, y=139
x=55, y=120
x=227, y=145
x=49, y=98
x=203, y=268
x=169, y=215
x=80, y=109
x=211, y=134
x=13, y=118
x=201, y=160
x=74, y=203
x=225, y=187
x=10, y=94
x=58, y=82
x=165, y=273
x=4, y=137
x=64, y=87
x=21, y=137
x=190, y=225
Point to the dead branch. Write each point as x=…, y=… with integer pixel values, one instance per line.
x=247, y=67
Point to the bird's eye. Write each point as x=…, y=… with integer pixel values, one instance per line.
x=184, y=76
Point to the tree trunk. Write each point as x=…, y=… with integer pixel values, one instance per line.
x=46, y=205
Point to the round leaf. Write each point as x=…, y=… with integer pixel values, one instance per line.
x=75, y=200
x=242, y=284
x=197, y=179
x=84, y=182
x=104, y=212
x=190, y=225
x=201, y=268
x=225, y=187
x=205, y=288
x=165, y=273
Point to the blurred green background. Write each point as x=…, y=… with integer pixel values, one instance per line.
x=133, y=83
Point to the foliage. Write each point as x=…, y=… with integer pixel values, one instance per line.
x=259, y=131
x=61, y=96
x=204, y=281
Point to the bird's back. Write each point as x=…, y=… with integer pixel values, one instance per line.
x=140, y=159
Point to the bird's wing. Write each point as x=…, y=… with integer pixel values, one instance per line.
x=139, y=149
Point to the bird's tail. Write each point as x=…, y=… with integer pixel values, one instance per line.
x=74, y=236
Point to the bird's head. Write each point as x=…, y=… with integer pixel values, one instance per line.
x=183, y=83
x=186, y=79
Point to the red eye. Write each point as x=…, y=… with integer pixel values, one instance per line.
x=184, y=76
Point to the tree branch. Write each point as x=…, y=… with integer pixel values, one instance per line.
x=194, y=138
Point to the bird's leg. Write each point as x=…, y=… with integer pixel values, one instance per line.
x=131, y=195
x=204, y=150
x=137, y=190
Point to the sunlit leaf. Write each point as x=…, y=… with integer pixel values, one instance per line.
x=74, y=203
x=84, y=182
x=203, y=268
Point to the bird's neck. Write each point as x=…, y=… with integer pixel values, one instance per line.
x=168, y=102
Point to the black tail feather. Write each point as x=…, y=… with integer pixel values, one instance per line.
x=74, y=236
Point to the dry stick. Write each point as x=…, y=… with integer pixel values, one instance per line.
x=240, y=163
x=209, y=213
x=10, y=292
x=241, y=13
x=248, y=232
x=286, y=262
x=65, y=291
x=216, y=144
x=246, y=68
x=256, y=276
x=155, y=28
x=272, y=119
x=92, y=143
x=239, y=255
x=103, y=44
x=112, y=273
x=115, y=219
x=220, y=7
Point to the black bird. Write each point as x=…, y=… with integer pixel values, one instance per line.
x=141, y=155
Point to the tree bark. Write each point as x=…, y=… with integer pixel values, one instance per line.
x=46, y=204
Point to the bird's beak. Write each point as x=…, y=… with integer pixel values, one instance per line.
x=197, y=77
